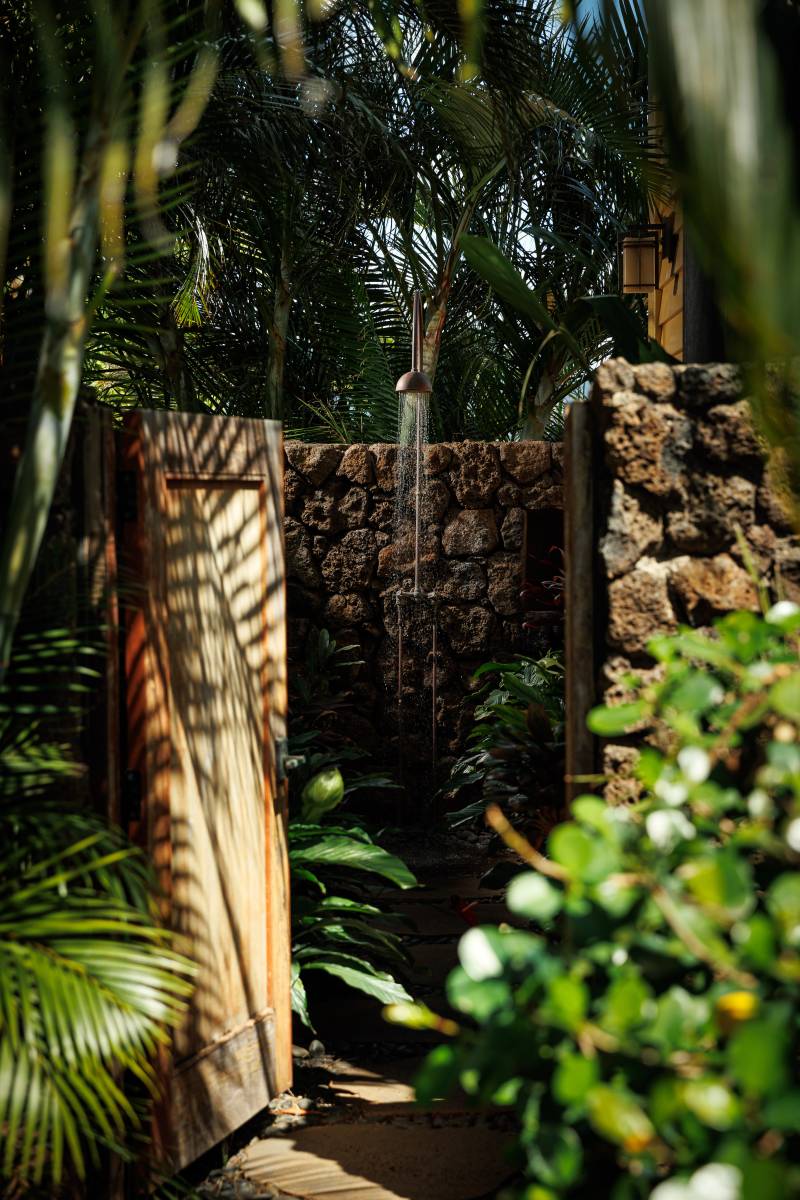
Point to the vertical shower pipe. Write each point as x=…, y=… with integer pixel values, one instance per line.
x=415, y=382
x=416, y=365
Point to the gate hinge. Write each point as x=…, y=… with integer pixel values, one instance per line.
x=284, y=761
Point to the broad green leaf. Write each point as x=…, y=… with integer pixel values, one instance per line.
x=573, y=1078
x=620, y=1118
x=346, y=852
x=531, y=895
x=757, y=1052
x=625, y=1003
x=557, y=1156
x=721, y=880
x=485, y=258
x=478, y=1000
x=608, y=721
x=784, y=696
x=783, y=902
x=712, y=1102
x=299, y=997
x=567, y=1002
x=379, y=985
x=438, y=1077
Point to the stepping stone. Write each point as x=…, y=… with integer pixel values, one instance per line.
x=381, y=1162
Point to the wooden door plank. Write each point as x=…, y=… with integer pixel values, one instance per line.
x=206, y=680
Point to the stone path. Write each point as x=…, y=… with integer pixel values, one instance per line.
x=350, y=1129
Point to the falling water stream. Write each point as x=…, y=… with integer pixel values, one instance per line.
x=415, y=557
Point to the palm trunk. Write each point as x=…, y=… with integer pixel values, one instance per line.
x=53, y=403
x=279, y=331
x=435, y=324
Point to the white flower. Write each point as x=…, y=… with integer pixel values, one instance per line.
x=759, y=804
x=760, y=671
x=782, y=611
x=671, y=791
x=478, y=957
x=716, y=1181
x=672, y=1189
x=666, y=828
x=792, y=835
x=695, y=764
x=619, y=956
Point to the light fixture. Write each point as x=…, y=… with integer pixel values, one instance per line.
x=641, y=250
x=639, y=260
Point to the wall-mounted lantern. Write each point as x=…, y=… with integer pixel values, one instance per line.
x=640, y=253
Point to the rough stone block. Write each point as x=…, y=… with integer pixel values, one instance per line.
x=353, y=508
x=726, y=434
x=647, y=444
x=294, y=487
x=438, y=457
x=705, y=522
x=709, y=587
x=473, y=531
x=545, y=493
x=385, y=459
x=702, y=386
x=321, y=512
x=357, y=465
x=505, y=582
x=300, y=564
x=348, y=609
x=382, y=516
x=463, y=581
x=469, y=630
x=615, y=375
x=774, y=504
x=512, y=531
x=631, y=532
x=315, y=462
x=475, y=472
x=350, y=565
x=526, y=461
x=639, y=607
x=619, y=766
x=655, y=380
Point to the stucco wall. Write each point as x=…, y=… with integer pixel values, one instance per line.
x=344, y=569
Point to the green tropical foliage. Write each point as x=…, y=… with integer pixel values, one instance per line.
x=317, y=206
x=335, y=862
x=731, y=146
x=644, y=1025
x=89, y=985
x=515, y=750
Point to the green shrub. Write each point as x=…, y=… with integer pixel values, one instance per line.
x=647, y=1031
x=337, y=927
x=515, y=749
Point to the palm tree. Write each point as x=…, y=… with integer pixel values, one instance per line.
x=318, y=207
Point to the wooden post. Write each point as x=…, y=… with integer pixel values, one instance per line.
x=579, y=554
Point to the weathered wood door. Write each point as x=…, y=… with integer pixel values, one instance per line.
x=202, y=588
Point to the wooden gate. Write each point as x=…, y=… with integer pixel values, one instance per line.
x=202, y=606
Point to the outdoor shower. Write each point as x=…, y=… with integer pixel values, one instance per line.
x=413, y=389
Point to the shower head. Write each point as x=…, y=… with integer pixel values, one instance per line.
x=415, y=380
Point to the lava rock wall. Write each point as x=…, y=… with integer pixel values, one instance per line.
x=678, y=469
x=343, y=569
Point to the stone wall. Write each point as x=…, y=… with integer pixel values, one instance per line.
x=343, y=572
x=678, y=470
